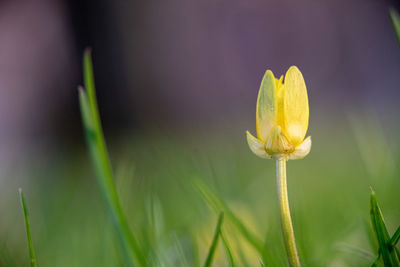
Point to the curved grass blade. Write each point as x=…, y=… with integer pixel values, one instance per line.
x=395, y=18
x=228, y=250
x=102, y=166
x=214, y=243
x=28, y=229
x=375, y=263
x=218, y=204
x=180, y=252
x=388, y=255
x=395, y=238
x=354, y=250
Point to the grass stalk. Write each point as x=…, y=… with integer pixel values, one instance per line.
x=389, y=255
x=28, y=229
x=395, y=238
x=214, y=243
x=102, y=164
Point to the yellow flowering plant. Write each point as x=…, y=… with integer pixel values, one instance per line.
x=282, y=117
x=282, y=123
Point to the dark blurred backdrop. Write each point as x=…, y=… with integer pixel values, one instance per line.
x=185, y=64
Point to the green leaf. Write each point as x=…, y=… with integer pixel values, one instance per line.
x=382, y=235
x=395, y=18
x=28, y=229
x=102, y=165
x=214, y=243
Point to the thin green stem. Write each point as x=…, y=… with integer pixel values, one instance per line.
x=286, y=221
x=214, y=243
x=28, y=229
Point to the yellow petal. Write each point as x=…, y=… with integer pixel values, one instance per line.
x=279, y=82
x=277, y=142
x=279, y=110
x=256, y=146
x=302, y=150
x=266, y=106
x=295, y=106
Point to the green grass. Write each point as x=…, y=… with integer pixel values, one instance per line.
x=174, y=225
x=213, y=247
x=102, y=165
x=28, y=229
x=387, y=250
x=395, y=19
x=166, y=190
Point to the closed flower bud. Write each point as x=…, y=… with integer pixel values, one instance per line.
x=282, y=117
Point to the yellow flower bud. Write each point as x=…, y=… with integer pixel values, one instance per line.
x=282, y=117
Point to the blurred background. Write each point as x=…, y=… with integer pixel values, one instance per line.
x=177, y=83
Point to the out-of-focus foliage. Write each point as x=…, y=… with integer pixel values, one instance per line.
x=155, y=176
x=102, y=166
x=28, y=229
x=394, y=16
x=387, y=250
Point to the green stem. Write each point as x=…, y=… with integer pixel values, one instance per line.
x=286, y=221
x=28, y=229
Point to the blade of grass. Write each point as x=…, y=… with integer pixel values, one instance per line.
x=86, y=111
x=102, y=165
x=397, y=252
x=395, y=238
x=395, y=18
x=228, y=250
x=382, y=235
x=218, y=204
x=28, y=229
x=214, y=243
x=357, y=251
x=375, y=263
x=180, y=252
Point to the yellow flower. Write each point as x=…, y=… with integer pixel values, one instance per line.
x=282, y=117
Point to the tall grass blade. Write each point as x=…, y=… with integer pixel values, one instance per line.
x=375, y=263
x=395, y=238
x=180, y=252
x=102, y=165
x=228, y=250
x=388, y=255
x=218, y=204
x=28, y=229
x=395, y=18
x=356, y=251
x=214, y=243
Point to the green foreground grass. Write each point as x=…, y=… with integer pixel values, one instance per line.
x=171, y=210
x=156, y=176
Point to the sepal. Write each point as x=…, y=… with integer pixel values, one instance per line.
x=257, y=146
x=302, y=150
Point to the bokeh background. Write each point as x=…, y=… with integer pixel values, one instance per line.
x=177, y=83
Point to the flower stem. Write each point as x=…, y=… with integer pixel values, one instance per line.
x=286, y=221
